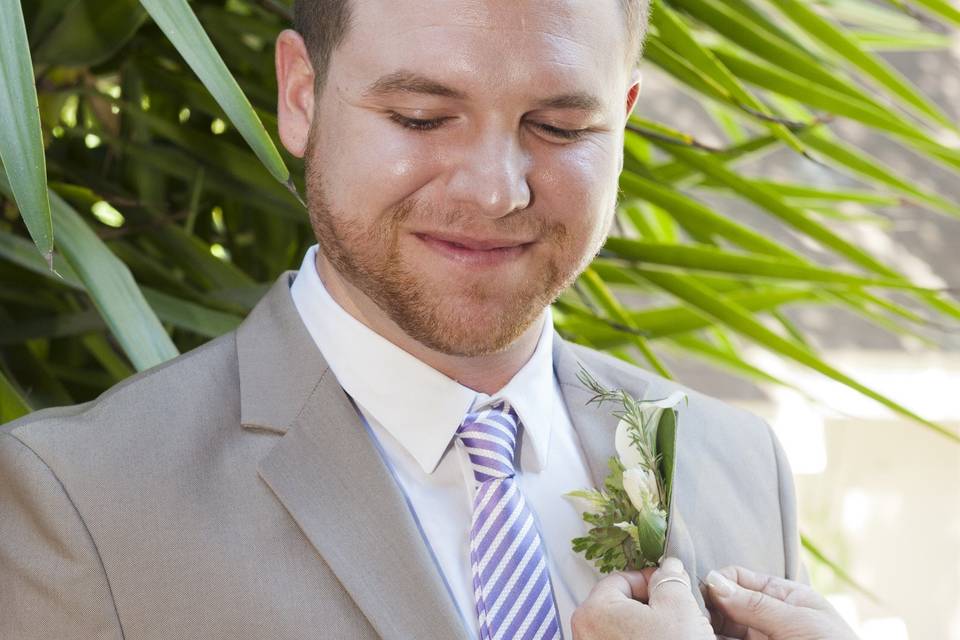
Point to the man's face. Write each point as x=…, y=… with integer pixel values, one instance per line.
x=463, y=156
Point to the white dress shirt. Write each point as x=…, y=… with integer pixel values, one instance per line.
x=412, y=412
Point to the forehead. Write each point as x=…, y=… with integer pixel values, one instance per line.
x=490, y=43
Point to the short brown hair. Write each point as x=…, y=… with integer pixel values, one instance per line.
x=323, y=24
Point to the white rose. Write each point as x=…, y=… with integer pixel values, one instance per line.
x=628, y=454
x=641, y=487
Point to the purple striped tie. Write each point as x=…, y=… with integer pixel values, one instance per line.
x=511, y=583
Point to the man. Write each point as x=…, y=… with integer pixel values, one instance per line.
x=381, y=449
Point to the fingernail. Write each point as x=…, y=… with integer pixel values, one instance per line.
x=719, y=584
x=672, y=565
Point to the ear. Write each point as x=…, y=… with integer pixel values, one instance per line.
x=295, y=93
x=633, y=92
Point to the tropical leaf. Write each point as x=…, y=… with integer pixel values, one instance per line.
x=21, y=143
x=180, y=24
x=90, y=31
x=12, y=405
x=111, y=288
x=834, y=37
x=740, y=320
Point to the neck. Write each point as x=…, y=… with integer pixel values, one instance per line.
x=485, y=373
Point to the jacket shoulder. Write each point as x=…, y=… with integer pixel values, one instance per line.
x=141, y=411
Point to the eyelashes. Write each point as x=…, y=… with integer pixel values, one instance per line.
x=416, y=124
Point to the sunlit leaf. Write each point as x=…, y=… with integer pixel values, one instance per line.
x=833, y=36
x=741, y=321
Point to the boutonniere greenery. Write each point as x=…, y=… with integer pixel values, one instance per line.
x=628, y=515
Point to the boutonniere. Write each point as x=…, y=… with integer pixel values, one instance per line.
x=628, y=515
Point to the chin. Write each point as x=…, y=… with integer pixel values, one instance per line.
x=463, y=327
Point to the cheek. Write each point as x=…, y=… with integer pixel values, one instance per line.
x=369, y=164
x=577, y=185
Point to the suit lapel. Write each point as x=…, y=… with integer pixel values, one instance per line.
x=596, y=426
x=328, y=474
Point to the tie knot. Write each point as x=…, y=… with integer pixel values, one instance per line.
x=490, y=436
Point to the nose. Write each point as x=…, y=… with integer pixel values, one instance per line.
x=490, y=175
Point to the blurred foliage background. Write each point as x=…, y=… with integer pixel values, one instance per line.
x=151, y=179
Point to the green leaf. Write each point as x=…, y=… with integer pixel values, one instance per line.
x=741, y=24
x=696, y=347
x=21, y=142
x=115, y=294
x=657, y=52
x=868, y=14
x=942, y=8
x=741, y=321
x=667, y=448
x=676, y=33
x=12, y=404
x=180, y=24
x=676, y=171
x=214, y=152
x=609, y=303
x=775, y=78
x=806, y=192
x=56, y=326
x=912, y=42
x=835, y=38
x=845, y=577
x=112, y=289
x=706, y=258
x=871, y=169
x=664, y=322
x=190, y=315
x=90, y=32
x=651, y=534
x=691, y=213
x=178, y=312
x=772, y=203
x=21, y=252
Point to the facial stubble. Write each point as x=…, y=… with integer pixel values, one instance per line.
x=483, y=317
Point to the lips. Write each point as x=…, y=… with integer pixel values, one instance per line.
x=473, y=244
x=474, y=252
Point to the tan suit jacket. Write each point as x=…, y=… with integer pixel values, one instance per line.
x=233, y=493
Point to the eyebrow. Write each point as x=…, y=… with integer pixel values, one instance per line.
x=411, y=82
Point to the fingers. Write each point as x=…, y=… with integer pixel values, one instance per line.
x=751, y=600
x=776, y=587
x=670, y=585
x=722, y=625
x=624, y=585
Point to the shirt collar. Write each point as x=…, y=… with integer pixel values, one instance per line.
x=419, y=406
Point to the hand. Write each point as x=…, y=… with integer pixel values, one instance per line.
x=760, y=607
x=639, y=605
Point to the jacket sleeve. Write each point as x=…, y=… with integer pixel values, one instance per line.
x=52, y=582
x=792, y=549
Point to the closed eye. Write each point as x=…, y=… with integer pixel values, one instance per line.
x=417, y=124
x=566, y=134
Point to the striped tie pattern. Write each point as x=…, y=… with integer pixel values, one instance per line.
x=511, y=581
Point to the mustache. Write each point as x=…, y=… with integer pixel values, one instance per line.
x=517, y=223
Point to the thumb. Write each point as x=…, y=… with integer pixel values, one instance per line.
x=753, y=609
